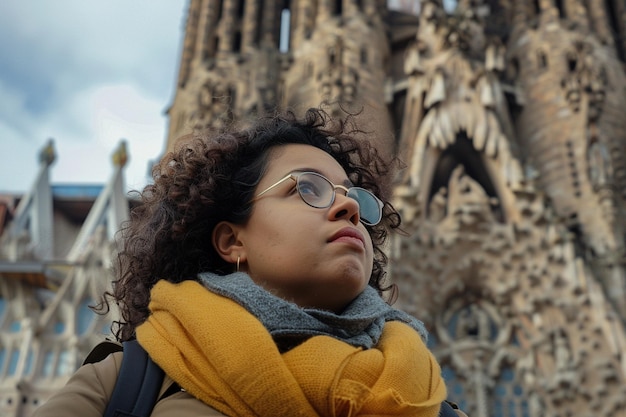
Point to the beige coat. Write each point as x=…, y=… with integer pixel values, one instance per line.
x=88, y=391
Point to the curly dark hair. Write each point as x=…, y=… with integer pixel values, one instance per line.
x=213, y=179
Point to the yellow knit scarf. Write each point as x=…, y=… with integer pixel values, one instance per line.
x=225, y=357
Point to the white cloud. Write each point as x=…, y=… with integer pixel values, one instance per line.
x=87, y=74
x=116, y=112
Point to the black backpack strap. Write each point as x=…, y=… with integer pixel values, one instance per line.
x=138, y=384
x=447, y=410
x=101, y=351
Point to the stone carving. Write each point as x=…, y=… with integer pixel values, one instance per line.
x=337, y=80
x=587, y=77
x=474, y=322
x=527, y=268
x=215, y=104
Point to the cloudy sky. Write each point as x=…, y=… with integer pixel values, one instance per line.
x=87, y=74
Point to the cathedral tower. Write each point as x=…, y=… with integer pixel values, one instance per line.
x=230, y=64
x=244, y=58
x=570, y=84
x=504, y=205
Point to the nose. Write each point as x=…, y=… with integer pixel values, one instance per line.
x=344, y=207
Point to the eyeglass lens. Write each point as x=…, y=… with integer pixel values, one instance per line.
x=317, y=191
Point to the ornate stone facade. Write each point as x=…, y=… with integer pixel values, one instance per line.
x=511, y=199
x=56, y=249
x=508, y=115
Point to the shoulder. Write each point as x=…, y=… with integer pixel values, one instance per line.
x=88, y=391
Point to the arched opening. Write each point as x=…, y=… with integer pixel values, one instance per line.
x=462, y=153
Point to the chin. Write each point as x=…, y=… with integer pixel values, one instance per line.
x=354, y=271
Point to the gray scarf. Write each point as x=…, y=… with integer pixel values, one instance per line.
x=360, y=324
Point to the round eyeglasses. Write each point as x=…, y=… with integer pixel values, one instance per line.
x=317, y=191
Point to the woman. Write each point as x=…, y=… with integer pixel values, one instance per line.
x=252, y=274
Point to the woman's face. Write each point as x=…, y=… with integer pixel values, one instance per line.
x=319, y=258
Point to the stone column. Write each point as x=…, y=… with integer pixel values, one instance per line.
x=250, y=27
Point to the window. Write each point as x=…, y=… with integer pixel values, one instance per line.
x=614, y=23
x=561, y=8
x=29, y=363
x=48, y=363
x=240, y=9
x=237, y=42
x=338, y=8
x=456, y=391
x=65, y=365
x=84, y=317
x=450, y=5
x=542, y=60
x=285, y=29
x=508, y=396
x=59, y=327
x=3, y=354
x=15, y=356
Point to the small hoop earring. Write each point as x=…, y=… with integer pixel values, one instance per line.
x=238, y=259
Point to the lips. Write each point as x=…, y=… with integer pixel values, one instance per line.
x=348, y=235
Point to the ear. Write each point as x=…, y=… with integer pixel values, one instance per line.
x=225, y=239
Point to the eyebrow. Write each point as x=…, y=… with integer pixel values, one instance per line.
x=346, y=182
